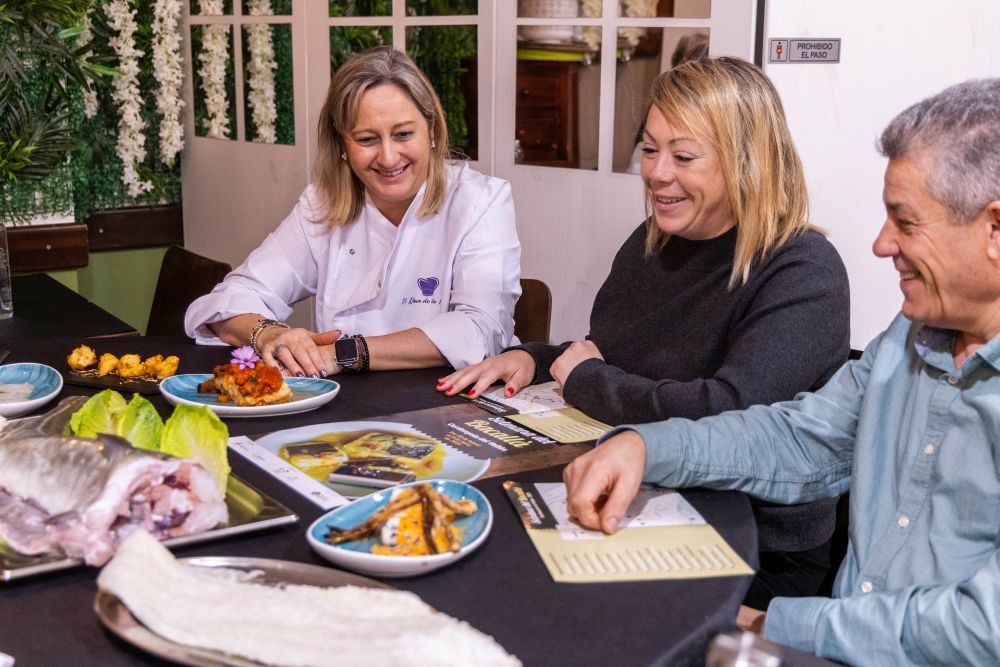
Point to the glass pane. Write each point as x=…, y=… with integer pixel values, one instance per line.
x=211, y=7
x=214, y=88
x=360, y=7
x=682, y=9
x=441, y=7
x=267, y=7
x=267, y=83
x=560, y=9
x=655, y=50
x=558, y=97
x=345, y=41
x=448, y=56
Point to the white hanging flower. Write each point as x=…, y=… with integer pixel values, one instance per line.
x=169, y=73
x=214, y=58
x=131, y=147
x=89, y=94
x=635, y=9
x=261, y=73
x=591, y=34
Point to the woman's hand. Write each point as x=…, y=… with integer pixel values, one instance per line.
x=516, y=368
x=575, y=354
x=297, y=351
x=601, y=483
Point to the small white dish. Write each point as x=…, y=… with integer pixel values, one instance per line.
x=357, y=555
x=307, y=394
x=46, y=384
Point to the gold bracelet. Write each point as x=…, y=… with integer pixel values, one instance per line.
x=262, y=324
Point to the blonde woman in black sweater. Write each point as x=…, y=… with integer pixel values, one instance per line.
x=724, y=297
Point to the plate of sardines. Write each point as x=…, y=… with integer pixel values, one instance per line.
x=404, y=531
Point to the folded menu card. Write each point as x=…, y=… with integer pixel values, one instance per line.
x=661, y=537
x=541, y=408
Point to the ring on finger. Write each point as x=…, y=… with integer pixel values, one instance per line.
x=277, y=350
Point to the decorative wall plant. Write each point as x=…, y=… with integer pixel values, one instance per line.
x=117, y=117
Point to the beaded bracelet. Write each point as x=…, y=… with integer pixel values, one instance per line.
x=262, y=324
x=363, y=346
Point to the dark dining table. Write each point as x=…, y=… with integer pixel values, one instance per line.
x=502, y=589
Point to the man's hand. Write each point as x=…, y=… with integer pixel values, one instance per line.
x=601, y=483
x=575, y=354
x=751, y=620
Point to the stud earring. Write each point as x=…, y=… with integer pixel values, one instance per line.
x=433, y=144
x=343, y=156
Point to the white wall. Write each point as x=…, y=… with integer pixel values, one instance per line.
x=893, y=53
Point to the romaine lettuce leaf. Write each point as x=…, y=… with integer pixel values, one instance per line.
x=141, y=425
x=100, y=414
x=195, y=432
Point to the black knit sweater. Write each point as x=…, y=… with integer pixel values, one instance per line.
x=677, y=342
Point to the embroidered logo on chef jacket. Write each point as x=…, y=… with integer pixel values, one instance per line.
x=427, y=288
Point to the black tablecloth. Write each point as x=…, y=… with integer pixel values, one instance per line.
x=44, y=307
x=502, y=589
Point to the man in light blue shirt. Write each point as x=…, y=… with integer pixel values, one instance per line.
x=912, y=429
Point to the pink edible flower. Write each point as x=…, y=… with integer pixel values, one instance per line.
x=245, y=357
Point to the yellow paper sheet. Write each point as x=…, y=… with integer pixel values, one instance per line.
x=639, y=554
x=564, y=425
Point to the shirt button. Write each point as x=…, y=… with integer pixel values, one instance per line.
x=952, y=380
x=928, y=449
x=351, y=251
x=380, y=284
x=866, y=587
x=904, y=521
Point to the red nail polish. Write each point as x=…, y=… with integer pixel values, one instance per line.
x=509, y=391
x=440, y=384
x=472, y=393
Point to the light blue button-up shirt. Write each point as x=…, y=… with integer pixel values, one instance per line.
x=917, y=441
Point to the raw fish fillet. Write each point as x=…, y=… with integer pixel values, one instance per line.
x=294, y=625
x=80, y=497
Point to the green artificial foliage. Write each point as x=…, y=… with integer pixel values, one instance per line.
x=446, y=54
x=39, y=69
x=52, y=158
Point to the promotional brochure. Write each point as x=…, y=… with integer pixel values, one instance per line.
x=333, y=462
x=660, y=537
x=541, y=408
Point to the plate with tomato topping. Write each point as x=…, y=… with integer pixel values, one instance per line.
x=247, y=395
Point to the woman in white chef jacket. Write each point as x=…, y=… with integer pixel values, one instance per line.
x=413, y=262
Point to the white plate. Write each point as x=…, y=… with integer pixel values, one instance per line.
x=357, y=555
x=46, y=380
x=457, y=465
x=307, y=394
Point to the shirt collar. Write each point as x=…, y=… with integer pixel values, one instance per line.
x=936, y=347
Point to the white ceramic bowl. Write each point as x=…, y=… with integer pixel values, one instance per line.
x=357, y=555
x=47, y=383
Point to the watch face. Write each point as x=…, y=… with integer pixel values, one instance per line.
x=346, y=350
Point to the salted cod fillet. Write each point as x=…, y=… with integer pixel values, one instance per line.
x=294, y=625
x=81, y=497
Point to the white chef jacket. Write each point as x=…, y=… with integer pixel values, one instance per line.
x=454, y=274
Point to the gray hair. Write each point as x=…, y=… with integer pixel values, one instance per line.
x=959, y=130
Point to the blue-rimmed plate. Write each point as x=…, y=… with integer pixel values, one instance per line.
x=307, y=394
x=25, y=387
x=357, y=555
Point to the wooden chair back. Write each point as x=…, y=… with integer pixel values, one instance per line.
x=184, y=276
x=533, y=312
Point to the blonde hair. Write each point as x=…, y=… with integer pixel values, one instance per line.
x=732, y=103
x=341, y=192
